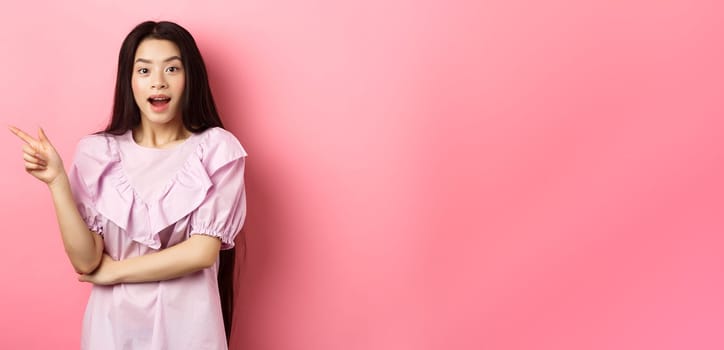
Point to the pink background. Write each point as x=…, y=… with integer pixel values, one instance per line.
x=422, y=174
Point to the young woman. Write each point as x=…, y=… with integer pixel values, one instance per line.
x=149, y=202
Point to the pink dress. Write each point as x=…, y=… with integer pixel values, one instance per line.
x=142, y=200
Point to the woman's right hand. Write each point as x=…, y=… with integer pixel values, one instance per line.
x=41, y=159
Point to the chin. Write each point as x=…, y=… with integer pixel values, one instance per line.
x=157, y=118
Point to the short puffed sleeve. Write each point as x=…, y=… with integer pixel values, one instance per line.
x=85, y=162
x=223, y=210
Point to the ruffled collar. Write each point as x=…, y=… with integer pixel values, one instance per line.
x=143, y=219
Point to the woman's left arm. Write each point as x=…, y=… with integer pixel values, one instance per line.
x=194, y=254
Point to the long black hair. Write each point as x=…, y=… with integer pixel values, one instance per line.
x=198, y=113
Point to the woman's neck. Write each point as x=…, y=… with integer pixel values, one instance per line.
x=160, y=135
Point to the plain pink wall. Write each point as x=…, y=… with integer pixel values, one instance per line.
x=422, y=174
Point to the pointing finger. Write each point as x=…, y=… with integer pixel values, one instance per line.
x=25, y=137
x=42, y=136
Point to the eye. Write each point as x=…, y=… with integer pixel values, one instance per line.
x=142, y=71
x=172, y=69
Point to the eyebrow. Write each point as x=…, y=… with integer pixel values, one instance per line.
x=143, y=60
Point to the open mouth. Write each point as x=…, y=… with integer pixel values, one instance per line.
x=159, y=101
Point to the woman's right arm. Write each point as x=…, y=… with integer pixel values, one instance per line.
x=83, y=247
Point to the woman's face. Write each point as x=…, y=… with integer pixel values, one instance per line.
x=158, y=81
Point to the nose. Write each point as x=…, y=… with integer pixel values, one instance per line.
x=159, y=82
x=159, y=85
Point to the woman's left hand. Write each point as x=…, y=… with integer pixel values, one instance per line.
x=105, y=274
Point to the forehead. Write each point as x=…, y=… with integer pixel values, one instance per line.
x=156, y=50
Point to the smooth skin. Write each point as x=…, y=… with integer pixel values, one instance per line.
x=153, y=75
x=83, y=247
